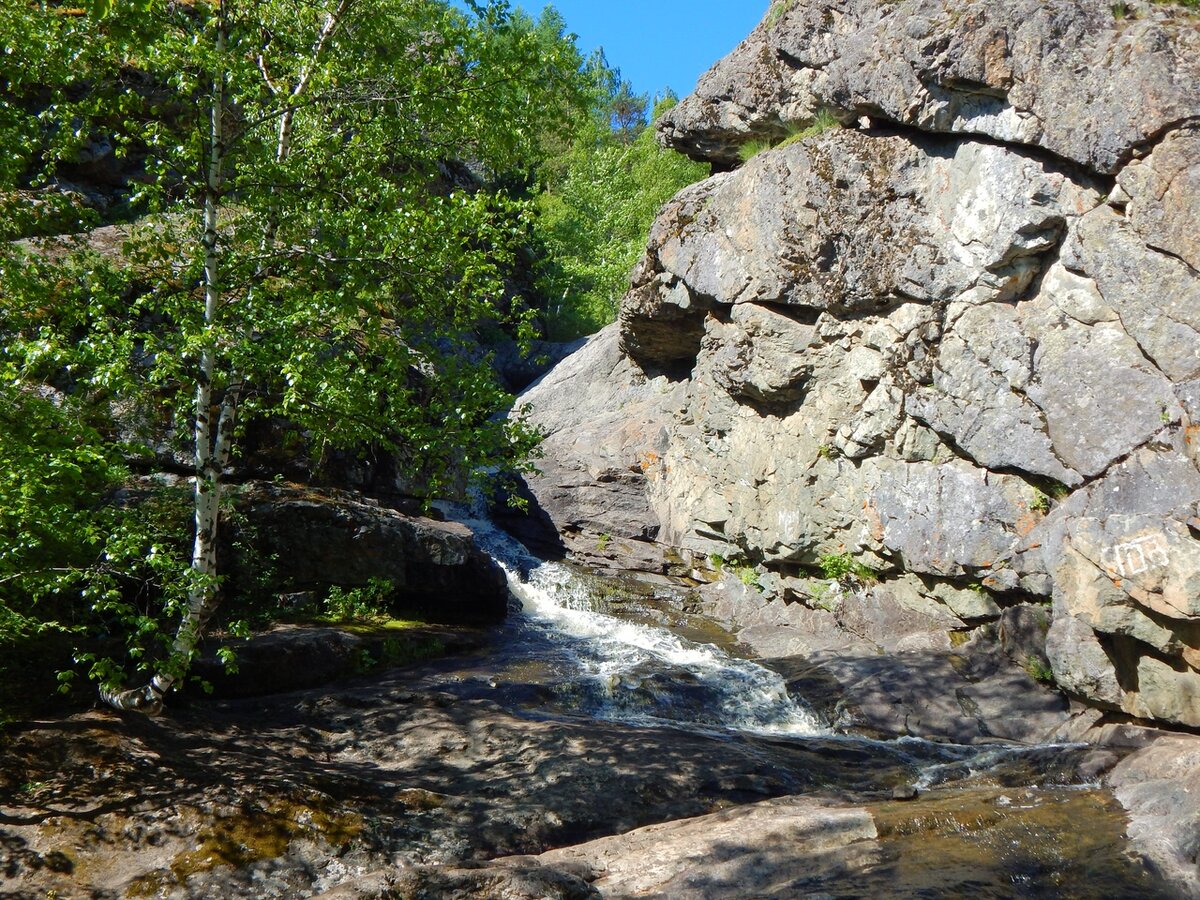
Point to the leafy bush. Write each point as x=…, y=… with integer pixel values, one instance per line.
x=593, y=218
x=356, y=604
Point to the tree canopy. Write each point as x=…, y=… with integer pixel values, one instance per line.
x=305, y=226
x=219, y=219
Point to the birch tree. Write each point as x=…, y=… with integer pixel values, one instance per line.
x=294, y=245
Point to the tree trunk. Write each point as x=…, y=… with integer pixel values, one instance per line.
x=215, y=424
x=212, y=439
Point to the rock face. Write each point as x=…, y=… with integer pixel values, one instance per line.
x=1066, y=76
x=324, y=538
x=955, y=338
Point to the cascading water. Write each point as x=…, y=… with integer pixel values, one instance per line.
x=994, y=820
x=640, y=673
x=588, y=662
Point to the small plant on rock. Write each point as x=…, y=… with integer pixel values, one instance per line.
x=1038, y=670
x=748, y=575
x=841, y=566
x=823, y=121
x=368, y=602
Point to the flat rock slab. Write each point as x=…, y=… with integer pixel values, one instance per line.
x=999, y=843
x=756, y=850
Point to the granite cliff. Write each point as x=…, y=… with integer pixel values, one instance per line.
x=925, y=369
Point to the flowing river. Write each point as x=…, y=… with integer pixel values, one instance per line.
x=993, y=820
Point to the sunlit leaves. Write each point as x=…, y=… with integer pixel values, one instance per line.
x=594, y=218
x=355, y=263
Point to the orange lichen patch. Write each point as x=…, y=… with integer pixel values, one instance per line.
x=874, y=522
x=1026, y=522
x=648, y=460
x=1191, y=434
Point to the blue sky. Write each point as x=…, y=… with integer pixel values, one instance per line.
x=658, y=43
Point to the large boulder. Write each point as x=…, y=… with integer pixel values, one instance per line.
x=955, y=338
x=319, y=539
x=1070, y=76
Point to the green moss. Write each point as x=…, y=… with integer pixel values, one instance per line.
x=819, y=593
x=1058, y=491
x=369, y=626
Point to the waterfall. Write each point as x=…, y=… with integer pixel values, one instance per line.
x=633, y=672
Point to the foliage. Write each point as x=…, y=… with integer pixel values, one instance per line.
x=777, y=10
x=1038, y=670
x=357, y=604
x=747, y=574
x=593, y=218
x=297, y=249
x=823, y=121
x=839, y=566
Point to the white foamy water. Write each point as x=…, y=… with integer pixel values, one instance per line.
x=641, y=673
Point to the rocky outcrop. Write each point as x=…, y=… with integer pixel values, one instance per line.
x=1073, y=77
x=324, y=538
x=933, y=363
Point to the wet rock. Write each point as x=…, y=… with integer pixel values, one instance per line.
x=941, y=696
x=1160, y=786
x=511, y=881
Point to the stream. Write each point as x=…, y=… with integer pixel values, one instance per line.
x=577, y=741
x=992, y=820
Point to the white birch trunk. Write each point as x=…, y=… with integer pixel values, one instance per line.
x=212, y=439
